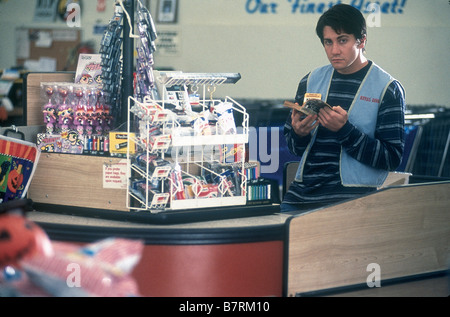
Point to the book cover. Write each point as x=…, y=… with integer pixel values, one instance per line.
x=309, y=107
x=89, y=70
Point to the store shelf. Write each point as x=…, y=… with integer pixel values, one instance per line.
x=209, y=139
x=170, y=79
x=207, y=202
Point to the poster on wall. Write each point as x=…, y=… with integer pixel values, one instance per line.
x=167, y=11
x=45, y=11
x=168, y=43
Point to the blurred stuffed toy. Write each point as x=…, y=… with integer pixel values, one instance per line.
x=32, y=265
x=19, y=237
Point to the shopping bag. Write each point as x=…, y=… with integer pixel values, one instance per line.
x=18, y=162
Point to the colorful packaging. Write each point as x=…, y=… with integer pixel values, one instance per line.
x=118, y=143
x=89, y=70
x=18, y=162
x=225, y=120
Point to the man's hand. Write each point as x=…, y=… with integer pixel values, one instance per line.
x=303, y=125
x=334, y=119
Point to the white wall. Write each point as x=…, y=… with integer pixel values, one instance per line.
x=273, y=50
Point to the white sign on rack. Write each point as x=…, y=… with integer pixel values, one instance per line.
x=115, y=175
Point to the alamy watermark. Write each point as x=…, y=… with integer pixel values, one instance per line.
x=374, y=278
x=374, y=18
x=73, y=15
x=74, y=277
x=263, y=146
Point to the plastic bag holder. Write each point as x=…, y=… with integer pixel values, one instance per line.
x=14, y=130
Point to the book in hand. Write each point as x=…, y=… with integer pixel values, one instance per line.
x=309, y=107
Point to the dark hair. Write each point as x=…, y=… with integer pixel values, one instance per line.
x=343, y=18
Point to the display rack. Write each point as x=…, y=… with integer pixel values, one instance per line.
x=184, y=152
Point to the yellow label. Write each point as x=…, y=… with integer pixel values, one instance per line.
x=118, y=142
x=309, y=96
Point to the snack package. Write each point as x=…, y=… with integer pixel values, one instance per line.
x=150, y=192
x=207, y=191
x=192, y=185
x=49, y=142
x=225, y=118
x=118, y=143
x=201, y=125
x=158, y=167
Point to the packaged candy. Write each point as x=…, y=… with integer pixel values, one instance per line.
x=158, y=167
x=201, y=125
x=225, y=118
x=150, y=192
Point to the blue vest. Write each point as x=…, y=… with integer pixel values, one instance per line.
x=362, y=114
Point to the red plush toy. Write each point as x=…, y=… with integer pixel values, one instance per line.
x=20, y=238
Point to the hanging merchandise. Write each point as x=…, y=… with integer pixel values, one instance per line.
x=145, y=82
x=110, y=50
x=77, y=119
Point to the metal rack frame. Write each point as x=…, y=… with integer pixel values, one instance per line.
x=170, y=126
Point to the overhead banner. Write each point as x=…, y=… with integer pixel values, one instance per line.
x=319, y=7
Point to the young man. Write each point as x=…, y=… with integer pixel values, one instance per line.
x=348, y=150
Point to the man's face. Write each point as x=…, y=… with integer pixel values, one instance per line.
x=344, y=52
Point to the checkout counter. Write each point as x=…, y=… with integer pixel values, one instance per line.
x=404, y=231
x=398, y=236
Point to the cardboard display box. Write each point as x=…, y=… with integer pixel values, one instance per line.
x=72, y=180
x=80, y=181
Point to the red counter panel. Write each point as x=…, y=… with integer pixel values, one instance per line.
x=229, y=270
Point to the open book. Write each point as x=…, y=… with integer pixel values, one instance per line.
x=310, y=107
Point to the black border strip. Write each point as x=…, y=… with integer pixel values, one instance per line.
x=384, y=283
x=165, y=236
x=165, y=217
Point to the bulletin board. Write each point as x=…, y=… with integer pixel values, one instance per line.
x=57, y=44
